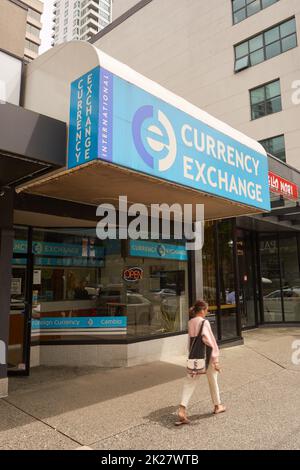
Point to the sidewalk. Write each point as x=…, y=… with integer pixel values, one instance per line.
x=135, y=408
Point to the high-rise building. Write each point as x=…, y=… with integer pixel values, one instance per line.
x=79, y=19
x=33, y=28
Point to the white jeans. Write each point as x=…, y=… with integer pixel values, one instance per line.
x=191, y=384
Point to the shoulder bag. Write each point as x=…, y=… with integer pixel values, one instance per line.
x=196, y=363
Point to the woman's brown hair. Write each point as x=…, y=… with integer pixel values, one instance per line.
x=198, y=306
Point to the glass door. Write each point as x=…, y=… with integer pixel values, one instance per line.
x=271, y=279
x=247, y=279
x=290, y=277
x=19, y=319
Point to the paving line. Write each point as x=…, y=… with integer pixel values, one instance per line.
x=41, y=421
x=266, y=357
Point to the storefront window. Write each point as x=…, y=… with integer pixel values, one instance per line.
x=247, y=278
x=84, y=288
x=280, y=278
x=271, y=282
x=209, y=274
x=290, y=278
x=228, y=308
x=219, y=278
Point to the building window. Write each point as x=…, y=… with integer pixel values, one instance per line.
x=105, y=6
x=266, y=45
x=242, y=9
x=31, y=46
x=82, y=282
x=265, y=100
x=32, y=29
x=103, y=23
x=275, y=146
x=34, y=14
x=105, y=16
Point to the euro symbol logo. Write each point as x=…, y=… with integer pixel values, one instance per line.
x=161, y=147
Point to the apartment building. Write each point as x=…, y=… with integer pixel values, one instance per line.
x=33, y=28
x=79, y=19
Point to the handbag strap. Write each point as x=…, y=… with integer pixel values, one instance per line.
x=199, y=334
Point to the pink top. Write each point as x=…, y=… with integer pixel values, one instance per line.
x=207, y=335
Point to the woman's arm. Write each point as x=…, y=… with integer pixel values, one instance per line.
x=210, y=340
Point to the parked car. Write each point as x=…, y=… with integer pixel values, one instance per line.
x=114, y=300
x=273, y=306
x=170, y=306
x=93, y=290
x=139, y=309
x=160, y=294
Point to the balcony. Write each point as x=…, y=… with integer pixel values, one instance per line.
x=93, y=5
x=91, y=14
x=92, y=24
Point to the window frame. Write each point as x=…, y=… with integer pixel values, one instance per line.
x=264, y=45
x=233, y=12
x=266, y=100
x=271, y=138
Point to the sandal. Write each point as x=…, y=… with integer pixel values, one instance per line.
x=182, y=417
x=185, y=421
x=219, y=409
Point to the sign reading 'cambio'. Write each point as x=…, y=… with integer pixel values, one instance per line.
x=116, y=121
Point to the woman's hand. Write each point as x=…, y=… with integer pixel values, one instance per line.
x=217, y=366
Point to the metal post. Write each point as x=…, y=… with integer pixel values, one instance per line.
x=6, y=254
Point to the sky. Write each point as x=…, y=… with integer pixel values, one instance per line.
x=47, y=25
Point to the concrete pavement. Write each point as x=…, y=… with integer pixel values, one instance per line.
x=135, y=408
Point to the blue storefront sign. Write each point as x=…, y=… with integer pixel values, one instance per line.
x=59, y=249
x=58, y=323
x=148, y=249
x=68, y=262
x=116, y=121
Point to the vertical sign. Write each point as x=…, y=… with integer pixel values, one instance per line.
x=84, y=109
x=105, y=116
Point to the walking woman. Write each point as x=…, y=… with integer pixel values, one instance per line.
x=198, y=326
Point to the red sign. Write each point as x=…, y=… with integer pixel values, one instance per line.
x=283, y=187
x=132, y=274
